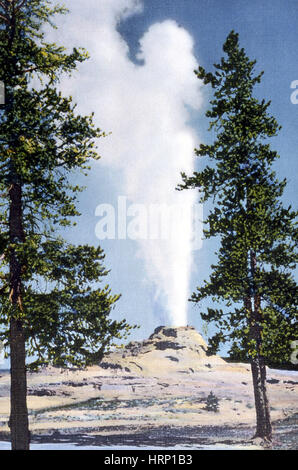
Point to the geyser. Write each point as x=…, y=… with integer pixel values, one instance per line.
x=146, y=107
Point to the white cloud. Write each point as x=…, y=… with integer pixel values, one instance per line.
x=146, y=109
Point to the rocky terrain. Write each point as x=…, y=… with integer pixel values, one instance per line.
x=153, y=393
x=168, y=351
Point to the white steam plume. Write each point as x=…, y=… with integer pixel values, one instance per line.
x=146, y=107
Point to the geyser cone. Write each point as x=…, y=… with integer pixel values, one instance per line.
x=169, y=350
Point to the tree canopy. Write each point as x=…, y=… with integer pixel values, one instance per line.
x=258, y=235
x=61, y=301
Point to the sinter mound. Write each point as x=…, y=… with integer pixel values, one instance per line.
x=167, y=351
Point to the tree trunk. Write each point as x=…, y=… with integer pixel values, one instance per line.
x=19, y=425
x=18, y=422
x=258, y=366
x=264, y=427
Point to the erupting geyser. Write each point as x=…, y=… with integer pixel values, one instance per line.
x=146, y=105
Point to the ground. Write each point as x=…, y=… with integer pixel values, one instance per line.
x=110, y=407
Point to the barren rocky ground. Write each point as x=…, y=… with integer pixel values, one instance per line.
x=154, y=393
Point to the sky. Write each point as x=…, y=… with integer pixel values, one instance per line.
x=139, y=82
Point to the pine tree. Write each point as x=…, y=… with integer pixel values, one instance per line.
x=52, y=305
x=252, y=284
x=212, y=403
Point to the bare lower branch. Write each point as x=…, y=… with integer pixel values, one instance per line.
x=4, y=18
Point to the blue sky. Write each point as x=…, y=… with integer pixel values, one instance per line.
x=268, y=32
x=140, y=84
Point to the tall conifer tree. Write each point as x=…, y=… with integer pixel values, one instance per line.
x=253, y=278
x=52, y=307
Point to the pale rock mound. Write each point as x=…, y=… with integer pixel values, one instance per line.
x=168, y=351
